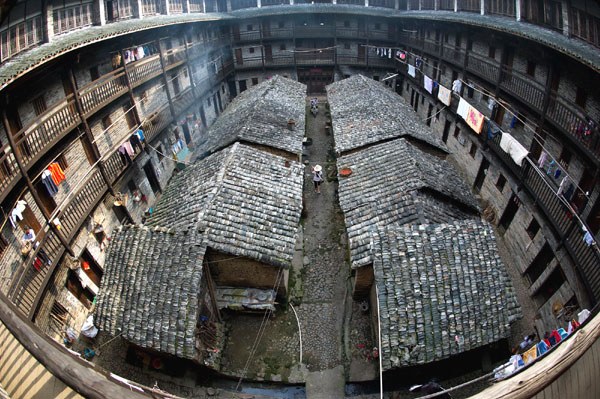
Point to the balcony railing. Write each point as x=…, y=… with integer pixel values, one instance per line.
x=249, y=62
x=174, y=57
x=157, y=122
x=29, y=280
x=144, y=69
x=525, y=88
x=80, y=206
x=245, y=36
x=431, y=46
x=323, y=57
x=280, y=60
x=9, y=170
x=454, y=55
x=183, y=100
x=489, y=70
x=100, y=92
x=114, y=166
x=314, y=31
x=565, y=115
x=51, y=126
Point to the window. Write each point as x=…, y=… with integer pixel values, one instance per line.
x=61, y=160
x=106, y=122
x=469, y=44
x=473, y=150
x=282, y=47
x=346, y=24
x=377, y=26
x=533, y=228
x=492, y=52
x=456, y=131
x=132, y=186
x=280, y=24
x=254, y=81
x=39, y=105
x=251, y=50
x=580, y=97
x=249, y=27
x=500, y=183
x=530, y=68
x=346, y=46
x=161, y=152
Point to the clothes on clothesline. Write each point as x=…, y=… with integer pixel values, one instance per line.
x=135, y=142
x=49, y=183
x=457, y=86
x=428, y=83
x=463, y=108
x=542, y=160
x=475, y=119
x=17, y=213
x=444, y=95
x=56, y=172
x=513, y=148
x=412, y=71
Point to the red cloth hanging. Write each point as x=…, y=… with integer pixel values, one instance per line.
x=56, y=173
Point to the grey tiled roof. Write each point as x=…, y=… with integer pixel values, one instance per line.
x=151, y=287
x=442, y=290
x=244, y=201
x=260, y=115
x=364, y=111
x=395, y=182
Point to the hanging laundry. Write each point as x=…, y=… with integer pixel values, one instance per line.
x=588, y=238
x=58, y=176
x=513, y=122
x=125, y=157
x=457, y=86
x=140, y=134
x=17, y=212
x=583, y=316
x=444, y=95
x=530, y=355
x=491, y=104
x=411, y=71
x=401, y=55
x=463, y=108
x=139, y=53
x=551, y=168
x=557, y=173
x=493, y=129
x=513, y=148
x=569, y=192
x=128, y=148
x=562, y=185
x=542, y=160
x=135, y=142
x=116, y=61
x=475, y=119
x=428, y=83
x=49, y=183
x=418, y=62
x=390, y=51
x=541, y=348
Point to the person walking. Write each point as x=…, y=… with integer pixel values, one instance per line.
x=317, y=172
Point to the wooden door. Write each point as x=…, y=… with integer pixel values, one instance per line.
x=238, y=56
x=268, y=53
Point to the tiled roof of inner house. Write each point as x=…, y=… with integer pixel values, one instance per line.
x=150, y=289
x=260, y=115
x=364, y=111
x=395, y=182
x=244, y=201
x=443, y=290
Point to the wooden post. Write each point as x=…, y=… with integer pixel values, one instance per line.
x=164, y=73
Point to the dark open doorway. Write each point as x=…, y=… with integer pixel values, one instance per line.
x=152, y=179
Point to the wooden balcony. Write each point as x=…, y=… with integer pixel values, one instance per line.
x=431, y=46
x=157, y=122
x=29, y=281
x=249, y=63
x=314, y=31
x=572, y=120
x=99, y=93
x=351, y=59
x=350, y=33
x=114, y=166
x=144, y=69
x=9, y=171
x=484, y=68
x=174, y=57
x=280, y=60
x=34, y=140
x=246, y=36
x=454, y=55
x=525, y=88
x=81, y=203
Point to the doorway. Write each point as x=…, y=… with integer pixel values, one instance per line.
x=268, y=53
x=243, y=86
x=151, y=176
x=186, y=133
x=509, y=212
x=483, y=168
x=446, y=132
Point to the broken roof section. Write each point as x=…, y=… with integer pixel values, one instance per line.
x=364, y=111
x=395, y=182
x=244, y=201
x=151, y=287
x=442, y=290
x=260, y=115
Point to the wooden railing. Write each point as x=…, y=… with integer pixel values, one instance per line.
x=9, y=170
x=144, y=69
x=157, y=122
x=253, y=62
x=527, y=89
x=314, y=31
x=431, y=46
x=150, y=7
x=486, y=69
x=28, y=280
x=244, y=36
x=80, y=206
x=280, y=60
x=174, y=57
x=196, y=6
x=114, y=166
x=324, y=57
x=100, y=92
x=572, y=121
x=51, y=126
x=454, y=55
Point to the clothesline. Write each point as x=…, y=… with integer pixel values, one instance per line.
x=536, y=137
x=33, y=179
x=312, y=50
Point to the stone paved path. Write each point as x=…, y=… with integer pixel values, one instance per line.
x=325, y=272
